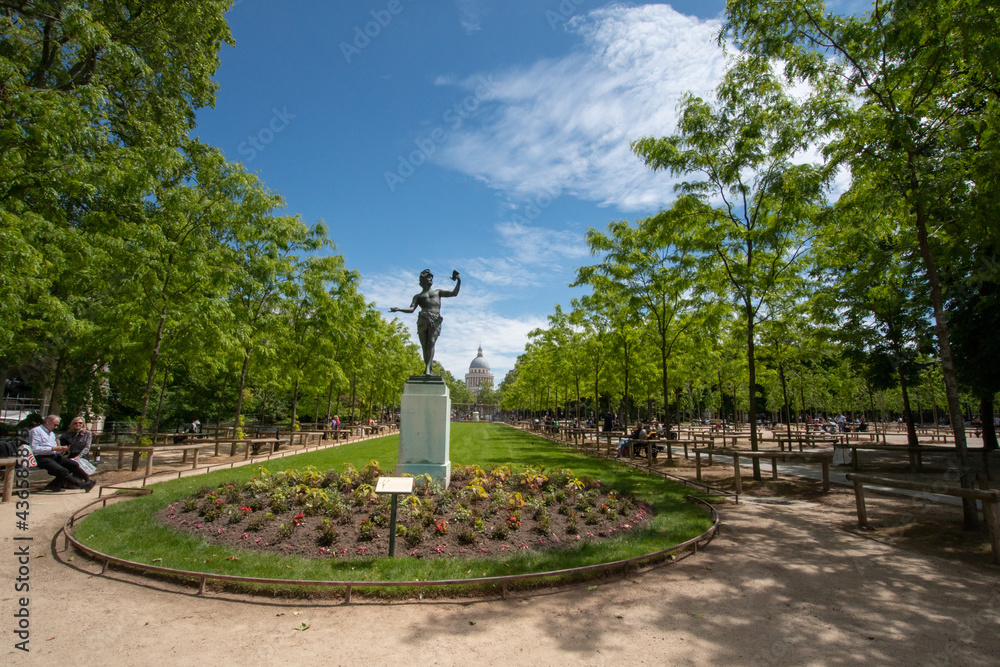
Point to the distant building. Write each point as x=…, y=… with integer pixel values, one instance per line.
x=479, y=374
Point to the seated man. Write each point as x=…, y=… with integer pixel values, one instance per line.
x=638, y=434
x=48, y=454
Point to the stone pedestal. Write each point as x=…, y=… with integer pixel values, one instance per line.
x=425, y=429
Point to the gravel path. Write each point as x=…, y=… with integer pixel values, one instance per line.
x=781, y=585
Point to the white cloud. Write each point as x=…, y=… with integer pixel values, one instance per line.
x=565, y=124
x=502, y=338
x=470, y=14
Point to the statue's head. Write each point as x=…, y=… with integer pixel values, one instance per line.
x=426, y=278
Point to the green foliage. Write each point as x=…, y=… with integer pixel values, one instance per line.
x=138, y=263
x=414, y=535
x=328, y=535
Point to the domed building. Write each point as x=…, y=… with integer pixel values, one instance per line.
x=479, y=374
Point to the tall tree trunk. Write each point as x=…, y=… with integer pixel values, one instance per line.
x=243, y=384
x=969, y=512
x=989, y=430
x=722, y=398
x=663, y=376
x=54, y=406
x=371, y=398
x=784, y=396
x=677, y=396
x=159, y=403
x=802, y=399
x=577, y=377
x=752, y=371
x=597, y=393
x=626, y=403
x=354, y=391
x=295, y=404
x=329, y=402
x=911, y=428
x=154, y=357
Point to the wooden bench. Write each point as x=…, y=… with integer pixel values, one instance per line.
x=824, y=458
x=9, y=465
x=989, y=497
x=256, y=443
x=916, y=452
x=150, y=452
x=661, y=445
x=811, y=440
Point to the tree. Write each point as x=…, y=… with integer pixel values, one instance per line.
x=649, y=264
x=590, y=316
x=874, y=285
x=309, y=307
x=744, y=145
x=907, y=95
x=96, y=98
x=266, y=257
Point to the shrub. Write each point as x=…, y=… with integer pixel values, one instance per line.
x=366, y=531
x=379, y=517
x=285, y=530
x=461, y=514
x=256, y=524
x=327, y=533
x=331, y=480
x=414, y=535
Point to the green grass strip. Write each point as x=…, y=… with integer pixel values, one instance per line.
x=129, y=530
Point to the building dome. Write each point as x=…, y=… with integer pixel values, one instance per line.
x=479, y=374
x=479, y=361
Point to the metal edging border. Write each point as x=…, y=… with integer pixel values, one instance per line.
x=203, y=577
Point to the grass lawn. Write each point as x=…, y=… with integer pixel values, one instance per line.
x=129, y=530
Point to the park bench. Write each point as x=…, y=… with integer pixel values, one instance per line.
x=254, y=445
x=824, y=458
x=858, y=435
x=304, y=436
x=580, y=435
x=660, y=445
x=8, y=465
x=811, y=440
x=916, y=452
x=150, y=451
x=990, y=498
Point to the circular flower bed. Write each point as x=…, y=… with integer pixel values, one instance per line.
x=337, y=514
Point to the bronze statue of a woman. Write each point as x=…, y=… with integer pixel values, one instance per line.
x=429, y=319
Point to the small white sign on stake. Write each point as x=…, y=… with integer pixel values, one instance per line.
x=394, y=485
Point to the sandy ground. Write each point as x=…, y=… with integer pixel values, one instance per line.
x=781, y=585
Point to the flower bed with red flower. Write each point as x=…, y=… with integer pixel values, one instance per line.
x=335, y=514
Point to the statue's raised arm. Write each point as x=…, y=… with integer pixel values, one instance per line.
x=429, y=320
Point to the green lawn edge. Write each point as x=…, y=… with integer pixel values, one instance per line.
x=130, y=531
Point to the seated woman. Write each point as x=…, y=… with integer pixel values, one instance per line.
x=49, y=456
x=638, y=434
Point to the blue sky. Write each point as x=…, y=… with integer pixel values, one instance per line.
x=462, y=134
